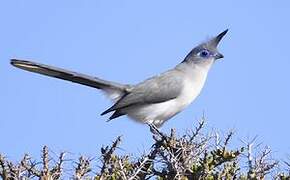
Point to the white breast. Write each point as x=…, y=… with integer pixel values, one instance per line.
x=160, y=112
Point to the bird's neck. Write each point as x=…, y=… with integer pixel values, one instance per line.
x=194, y=69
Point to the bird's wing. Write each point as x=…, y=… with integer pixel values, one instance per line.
x=114, y=90
x=158, y=89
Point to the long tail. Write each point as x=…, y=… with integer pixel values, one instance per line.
x=114, y=90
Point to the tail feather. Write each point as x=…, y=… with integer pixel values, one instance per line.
x=112, y=89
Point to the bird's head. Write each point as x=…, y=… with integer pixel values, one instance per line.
x=206, y=52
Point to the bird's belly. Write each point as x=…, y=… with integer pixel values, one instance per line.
x=158, y=113
x=153, y=113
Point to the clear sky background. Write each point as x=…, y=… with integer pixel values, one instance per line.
x=128, y=41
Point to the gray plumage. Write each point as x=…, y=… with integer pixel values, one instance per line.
x=154, y=100
x=154, y=90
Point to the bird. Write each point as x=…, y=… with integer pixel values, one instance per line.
x=154, y=100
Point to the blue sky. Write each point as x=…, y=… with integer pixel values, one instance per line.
x=128, y=41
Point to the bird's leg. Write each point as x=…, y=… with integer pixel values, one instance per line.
x=153, y=128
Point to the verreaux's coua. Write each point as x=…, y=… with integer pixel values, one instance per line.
x=154, y=100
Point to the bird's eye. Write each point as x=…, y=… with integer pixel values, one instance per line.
x=204, y=53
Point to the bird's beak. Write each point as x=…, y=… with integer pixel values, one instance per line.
x=218, y=56
x=215, y=41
